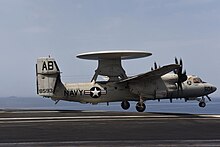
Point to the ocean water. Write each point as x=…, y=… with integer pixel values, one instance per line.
x=164, y=106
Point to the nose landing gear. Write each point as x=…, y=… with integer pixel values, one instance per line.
x=202, y=104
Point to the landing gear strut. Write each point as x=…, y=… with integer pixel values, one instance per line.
x=202, y=102
x=140, y=106
x=125, y=105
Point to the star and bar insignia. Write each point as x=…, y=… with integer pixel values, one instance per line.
x=95, y=92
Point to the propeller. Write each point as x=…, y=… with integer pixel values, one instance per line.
x=182, y=77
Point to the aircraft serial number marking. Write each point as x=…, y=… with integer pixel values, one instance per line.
x=50, y=90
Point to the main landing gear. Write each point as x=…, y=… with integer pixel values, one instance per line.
x=140, y=106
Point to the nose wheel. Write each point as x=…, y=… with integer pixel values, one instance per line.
x=202, y=104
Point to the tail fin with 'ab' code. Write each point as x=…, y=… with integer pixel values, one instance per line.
x=47, y=76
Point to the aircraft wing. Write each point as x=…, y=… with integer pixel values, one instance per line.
x=152, y=74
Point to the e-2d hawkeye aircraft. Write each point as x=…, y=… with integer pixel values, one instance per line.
x=167, y=82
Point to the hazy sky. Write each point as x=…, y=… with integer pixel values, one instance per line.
x=63, y=28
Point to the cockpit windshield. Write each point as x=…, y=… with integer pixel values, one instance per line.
x=197, y=80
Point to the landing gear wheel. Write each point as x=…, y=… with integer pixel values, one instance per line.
x=202, y=104
x=125, y=105
x=140, y=107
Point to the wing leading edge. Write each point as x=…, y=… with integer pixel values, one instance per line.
x=152, y=74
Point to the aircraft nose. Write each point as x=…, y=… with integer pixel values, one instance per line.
x=214, y=88
x=210, y=88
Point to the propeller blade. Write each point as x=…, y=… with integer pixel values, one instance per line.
x=184, y=72
x=181, y=62
x=176, y=61
x=175, y=71
x=183, y=78
x=179, y=86
x=180, y=70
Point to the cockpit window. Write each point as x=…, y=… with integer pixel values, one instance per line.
x=197, y=80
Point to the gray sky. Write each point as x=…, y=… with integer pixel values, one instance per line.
x=32, y=28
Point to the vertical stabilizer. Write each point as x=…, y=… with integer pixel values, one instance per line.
x=48, y=76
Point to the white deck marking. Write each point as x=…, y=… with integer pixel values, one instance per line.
x=101, y=118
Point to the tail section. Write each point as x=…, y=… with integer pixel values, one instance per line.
x=48, y=76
